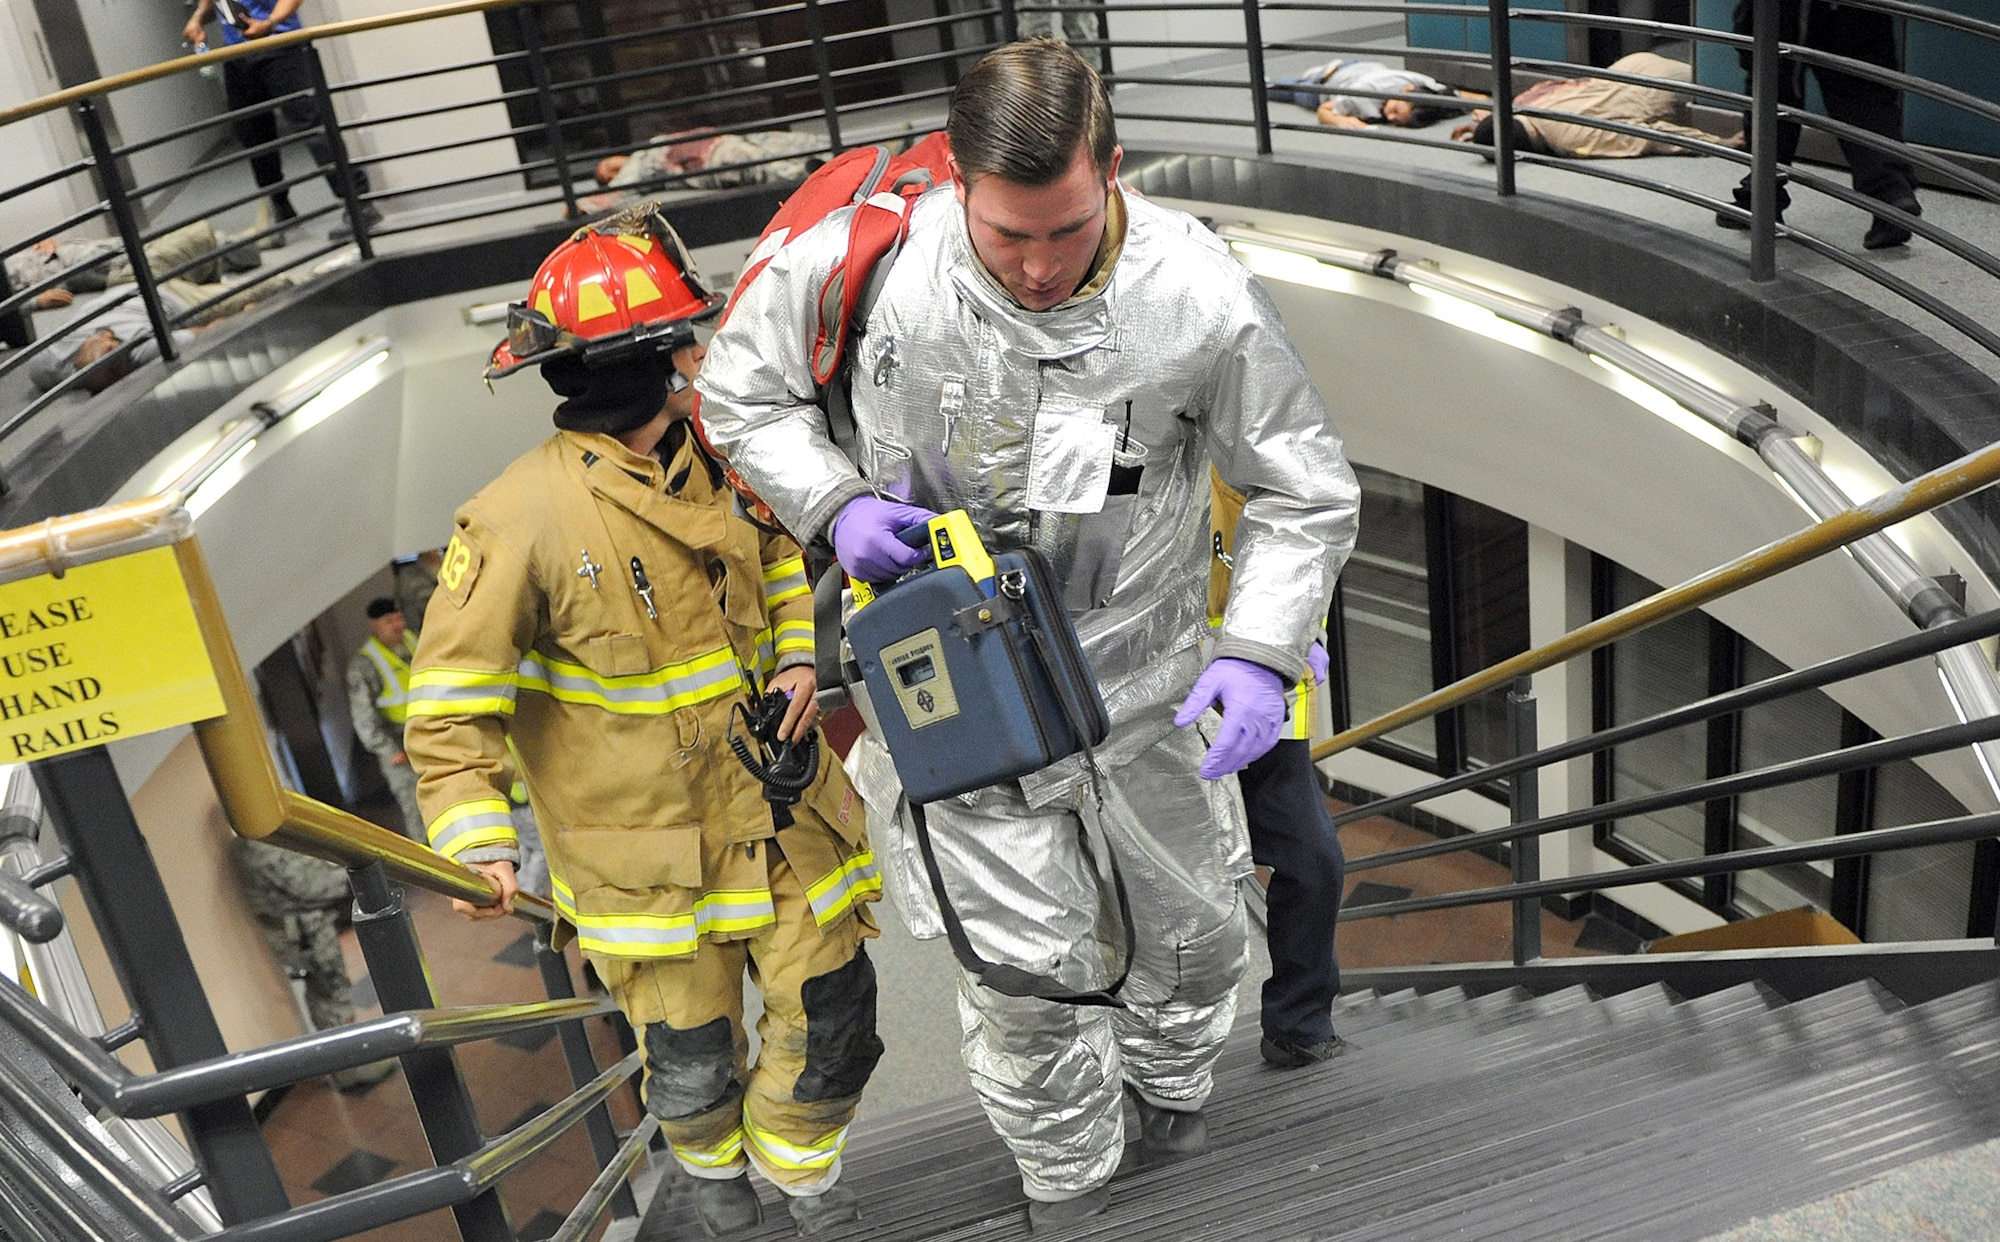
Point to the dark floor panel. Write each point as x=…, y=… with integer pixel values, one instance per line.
x=357, y=1169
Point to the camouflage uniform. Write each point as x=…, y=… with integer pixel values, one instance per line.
x=712, y=162
x=415, y=582
x=1076, y=23
x=297, y=901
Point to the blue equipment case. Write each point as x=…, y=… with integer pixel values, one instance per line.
x=973, y=668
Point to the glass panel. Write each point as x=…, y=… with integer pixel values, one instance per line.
x=1921, y=894
x=1489, y=575
x=1385, y=590
x=1663, y=667
x=1791, y=728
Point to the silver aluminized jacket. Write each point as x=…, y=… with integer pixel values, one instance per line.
x=962, y=399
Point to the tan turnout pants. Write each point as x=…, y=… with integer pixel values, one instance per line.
x=788, y=1114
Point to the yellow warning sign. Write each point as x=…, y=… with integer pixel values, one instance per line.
x=109, y=650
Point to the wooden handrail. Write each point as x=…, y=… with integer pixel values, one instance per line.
x=183, y=64
x=1962, y=477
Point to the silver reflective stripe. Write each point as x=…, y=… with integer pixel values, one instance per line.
x=445, y=842
x=858, y=872
x=667, y=693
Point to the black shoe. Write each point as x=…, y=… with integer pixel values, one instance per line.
x=371, y=215
x=1298, y=1056
x=1063, y=1213
x=727, y=1206
x=817, y=1214
x=1884, y=233
x=1166, y=1135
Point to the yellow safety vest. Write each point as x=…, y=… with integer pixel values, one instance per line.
x=394, y=700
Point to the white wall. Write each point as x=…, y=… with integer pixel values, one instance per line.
x=404, y=49
x=126, y=36
x=32, y=148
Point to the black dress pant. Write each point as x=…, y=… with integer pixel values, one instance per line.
x=276, y=75
x=1858, y=34
x=1292, y=833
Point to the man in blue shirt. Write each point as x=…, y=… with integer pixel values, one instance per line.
x=284, y=75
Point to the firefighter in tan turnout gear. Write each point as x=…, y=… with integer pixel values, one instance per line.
x=602, y=607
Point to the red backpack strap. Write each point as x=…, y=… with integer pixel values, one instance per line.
x=878, y=227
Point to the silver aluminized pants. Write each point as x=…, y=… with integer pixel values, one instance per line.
x=1024, y=881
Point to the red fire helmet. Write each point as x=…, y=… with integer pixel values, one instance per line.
x=624, y=285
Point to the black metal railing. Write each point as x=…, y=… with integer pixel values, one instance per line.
x=206, y=1084
x=573, y=94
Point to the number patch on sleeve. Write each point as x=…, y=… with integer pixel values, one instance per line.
x=460, y=568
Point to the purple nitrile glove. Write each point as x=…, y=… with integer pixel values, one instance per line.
x=1316, y=661
x=1252, y=699
x=864, y=538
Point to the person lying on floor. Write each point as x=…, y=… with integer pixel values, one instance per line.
x=90, y=341
x=702, y=159
x=93, y=264
x=1323, y=88
x=1654, y=107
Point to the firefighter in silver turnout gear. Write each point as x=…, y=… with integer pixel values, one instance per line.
x=1032, y=344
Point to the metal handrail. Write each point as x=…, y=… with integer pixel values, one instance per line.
x=1841, y=668
x=1831, y=763
x=293, y=38
x=117, y=1089
x=429, y=1190
x=1948, y=482
x=1849, y=845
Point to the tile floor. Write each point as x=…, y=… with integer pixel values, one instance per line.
x=326, y=1142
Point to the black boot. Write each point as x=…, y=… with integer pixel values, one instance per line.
x=722, y=1208
x=1297, y=1056
x=1884, y=233
x=1063, y=1213
x=817, y=1214
x=1166, y=1135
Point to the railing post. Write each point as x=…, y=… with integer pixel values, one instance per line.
x=538, y=68
x=1010, y=22
x=1501, y=40
x=1524, y=803
x=1260, y=104
x=1765, y=68
x=823, y=66
x=112, y=186
x=582, y=1068
x=336, y=148
x=121, y=886
x=396, y=963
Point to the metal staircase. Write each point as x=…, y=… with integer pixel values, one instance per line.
x=1502, y=1116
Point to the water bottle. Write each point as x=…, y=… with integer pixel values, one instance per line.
x=198, y=47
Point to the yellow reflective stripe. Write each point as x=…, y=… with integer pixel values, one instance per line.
x=468, y=825
x=836, y=892
x=794, y=636
x=721, y=1156
x=767, y=657
x=462, y=692
x=665, y=689
x=667, y=935
x=781, y=1154
x=1298, y=701
x=786, y=580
